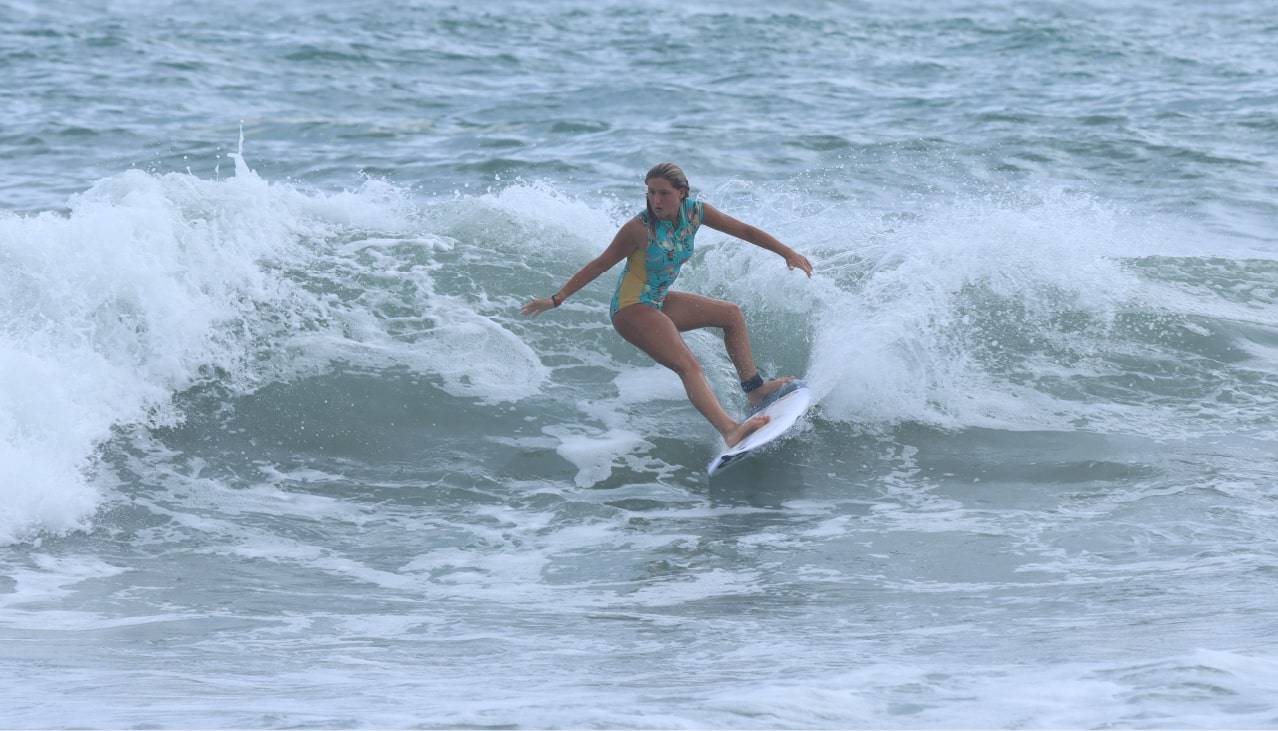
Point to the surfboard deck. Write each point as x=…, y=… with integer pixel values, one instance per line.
x=792, y=401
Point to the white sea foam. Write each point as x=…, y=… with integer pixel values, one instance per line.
x=146, y=284
x=984, y=312
x=593, y=454
x=564, y=226
x=902, y=345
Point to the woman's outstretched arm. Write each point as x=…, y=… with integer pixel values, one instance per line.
x=628, y=238
x=720, y=221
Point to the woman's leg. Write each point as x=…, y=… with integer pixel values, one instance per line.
x=654, y=333
x=692, y=311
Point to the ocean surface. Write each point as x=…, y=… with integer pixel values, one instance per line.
x=277, y=449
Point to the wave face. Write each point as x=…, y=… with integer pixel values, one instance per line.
x=1013, y=315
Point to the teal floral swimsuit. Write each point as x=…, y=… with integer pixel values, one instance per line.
x=651, y=269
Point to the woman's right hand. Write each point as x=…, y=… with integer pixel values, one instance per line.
x=537, y=306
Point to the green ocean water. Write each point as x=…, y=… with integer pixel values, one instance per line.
x=277, y=450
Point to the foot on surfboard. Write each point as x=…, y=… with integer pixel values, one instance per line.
x=745, y=429
x=787, y=405
x=770, y=391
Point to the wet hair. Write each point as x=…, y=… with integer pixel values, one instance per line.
x=671, y=173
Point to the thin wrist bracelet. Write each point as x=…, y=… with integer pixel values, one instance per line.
x=554, y=299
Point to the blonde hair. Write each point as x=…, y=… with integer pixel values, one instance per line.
x=671, y=173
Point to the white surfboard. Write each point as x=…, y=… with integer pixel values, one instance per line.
x=785, y=411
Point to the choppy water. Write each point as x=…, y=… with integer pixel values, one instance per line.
x=277, y=450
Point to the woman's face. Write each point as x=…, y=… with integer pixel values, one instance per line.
x=664, y=199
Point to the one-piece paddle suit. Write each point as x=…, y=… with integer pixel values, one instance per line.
x=651, y=269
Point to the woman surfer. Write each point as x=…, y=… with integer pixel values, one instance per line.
x=655, y=244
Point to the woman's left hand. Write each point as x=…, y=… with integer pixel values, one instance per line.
x=795, y=260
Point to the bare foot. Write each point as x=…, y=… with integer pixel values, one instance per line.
x=745, y=429
x=757, y=396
